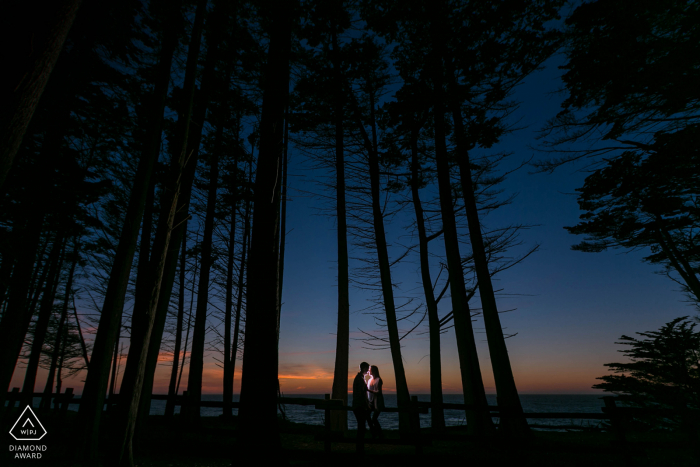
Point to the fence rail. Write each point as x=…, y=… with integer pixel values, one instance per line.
x=618, y=416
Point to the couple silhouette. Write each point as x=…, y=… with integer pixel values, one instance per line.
x=367, y=400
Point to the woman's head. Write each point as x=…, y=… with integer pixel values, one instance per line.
x=374, y=371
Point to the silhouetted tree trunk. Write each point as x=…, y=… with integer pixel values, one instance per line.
x=402, y=394
x=283, y=224
x=241, y=275
x=172, y=387
x=59, y=343
x=512, y=419
x=143, y=320
x=113, y=379
x=437, y=413
x=33, y=33
x=92, y=399
x=42, y=323
x=477, y=415
x=37, y=283
x=228, y=312
x=194, y=383
x=258, y=411
x=339, y=418
x=80, y=334
x=17, y=316
x=215, y=30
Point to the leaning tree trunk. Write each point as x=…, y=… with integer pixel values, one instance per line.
x=477, y=414
x=194, y=382
x=402, y=395
x=92, y=399
x=437, y=413
x=258, y=412
x=512, y=420
x=42, y=323
x=35, y=44
x=142, y=323
x=228, y=312
x=241, y=276
x=16, y=319
x=339, y=418
x=60, y=331
x=215, y=31
x=172, y=391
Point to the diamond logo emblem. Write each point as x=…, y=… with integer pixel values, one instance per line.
x=28, y=427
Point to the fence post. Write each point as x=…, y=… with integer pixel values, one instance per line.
x=65, y=400
x=327, y=425
x=11, y=399
x=615, y=418
x=415, y=418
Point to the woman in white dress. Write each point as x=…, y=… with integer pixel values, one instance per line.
x=376, y=399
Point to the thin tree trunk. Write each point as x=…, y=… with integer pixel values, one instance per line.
x=59, y=380
x=283, y=223
x=60, y=331
x=228, y=313
x=215, y=28
x=478, y=418
x=402, y=394
x=36, y=48
x=339, y=418
x=189, y=319
x=134, y=372
x=512, y=418
x=258, y=411
x=80, y=334
x=37, y=283
x=16, y=319
x=172, y=387
x=113, y=379
x=194, y=383
x=241, y=274
x=92, y=399
x=54, y=261
x=437, y=413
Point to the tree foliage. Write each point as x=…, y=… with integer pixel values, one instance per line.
x=663, y=371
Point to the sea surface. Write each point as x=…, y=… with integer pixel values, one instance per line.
x=534, y=403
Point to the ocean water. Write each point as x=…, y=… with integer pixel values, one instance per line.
x=534, y=403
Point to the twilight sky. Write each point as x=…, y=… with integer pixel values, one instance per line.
x=570, y=307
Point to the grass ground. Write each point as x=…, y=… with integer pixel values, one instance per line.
x=213, y=443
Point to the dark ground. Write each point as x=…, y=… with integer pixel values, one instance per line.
x=214, y=444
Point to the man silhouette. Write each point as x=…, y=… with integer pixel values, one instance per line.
x=360, y=404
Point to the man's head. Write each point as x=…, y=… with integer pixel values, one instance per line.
x=364, y=367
